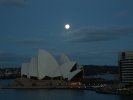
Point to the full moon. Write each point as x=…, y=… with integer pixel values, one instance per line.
x=67, y=26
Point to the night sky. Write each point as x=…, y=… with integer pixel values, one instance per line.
x=100, y=29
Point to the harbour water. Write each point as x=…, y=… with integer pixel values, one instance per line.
x=50, y=94
x=58, y=95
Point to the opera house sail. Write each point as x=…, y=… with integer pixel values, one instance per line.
x=64, y=59
x=66, y=68
x=47, y=65
x=25, y=69
x=33, y=69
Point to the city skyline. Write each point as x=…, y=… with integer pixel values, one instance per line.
x=100, y=29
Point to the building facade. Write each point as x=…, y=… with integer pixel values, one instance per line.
x=126, y=67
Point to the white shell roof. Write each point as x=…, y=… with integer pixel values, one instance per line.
x=79, y=66
x=33, y=67
x=66, y=67
x=72, y=74
x=64, y=59
x=47, y=65
x=25, y=69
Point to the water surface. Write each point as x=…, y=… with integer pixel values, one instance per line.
x=56, y=94
x=41, y=94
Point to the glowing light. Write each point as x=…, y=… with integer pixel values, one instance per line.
x=67, y=26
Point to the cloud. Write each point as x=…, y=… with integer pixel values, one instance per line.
x=97, y=57
x=13, y=2
x=31, y=41
x=10, y=57
x=96, y=34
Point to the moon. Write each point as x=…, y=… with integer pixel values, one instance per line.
x=67, y=26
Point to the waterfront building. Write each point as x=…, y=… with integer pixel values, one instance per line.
x=45, y=66
x=44, y=71
x=126, y=67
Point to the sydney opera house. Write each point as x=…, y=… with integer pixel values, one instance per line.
x=45, y=70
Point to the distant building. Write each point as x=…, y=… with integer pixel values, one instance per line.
x=126, y=67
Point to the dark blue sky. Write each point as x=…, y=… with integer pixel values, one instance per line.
x=100, y=29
